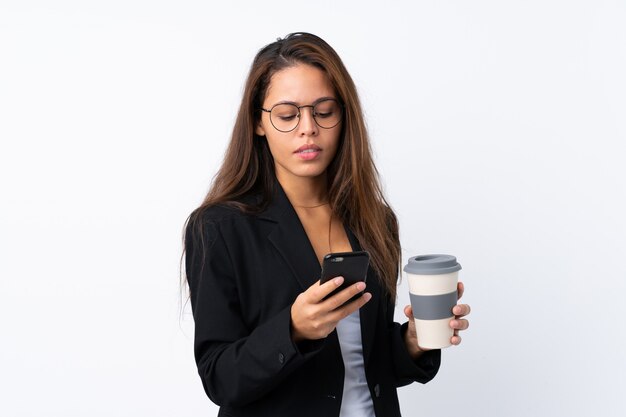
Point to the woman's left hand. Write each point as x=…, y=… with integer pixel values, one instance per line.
x=458, y=323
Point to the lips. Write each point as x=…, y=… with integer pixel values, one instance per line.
x=308, y=149
x=308, y=152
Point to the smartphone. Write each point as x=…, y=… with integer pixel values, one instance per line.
x=352, y=266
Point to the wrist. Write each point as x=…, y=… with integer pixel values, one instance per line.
x=412, y=347
x=296, y=336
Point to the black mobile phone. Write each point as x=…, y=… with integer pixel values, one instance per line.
x=352, y=266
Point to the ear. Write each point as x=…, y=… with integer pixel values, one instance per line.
x=259, y=130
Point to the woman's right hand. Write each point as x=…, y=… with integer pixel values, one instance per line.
x=312, y=317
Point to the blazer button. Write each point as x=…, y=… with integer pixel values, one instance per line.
x=281, y=358
x=377, y=390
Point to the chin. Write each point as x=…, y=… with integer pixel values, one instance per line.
x=311, y=172
x=307, y=170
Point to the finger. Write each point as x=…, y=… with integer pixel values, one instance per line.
x=460, y=289
x=459, y=324
x=343, y=312
x=341, y=297
x=455, y=340
x=318, y=291
x=461, y=310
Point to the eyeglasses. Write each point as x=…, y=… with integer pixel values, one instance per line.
x=285, y=117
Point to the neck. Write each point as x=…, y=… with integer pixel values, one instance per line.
x=304, y=191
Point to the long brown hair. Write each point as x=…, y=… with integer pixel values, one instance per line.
x=354, y=190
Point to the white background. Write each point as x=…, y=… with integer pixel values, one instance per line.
x=498, y=129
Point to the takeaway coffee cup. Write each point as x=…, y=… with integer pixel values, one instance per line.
x=433, y=290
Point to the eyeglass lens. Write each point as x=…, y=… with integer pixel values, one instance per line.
x=285, y=116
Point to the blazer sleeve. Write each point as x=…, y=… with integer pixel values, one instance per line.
x=237, y=365
x=406, y=369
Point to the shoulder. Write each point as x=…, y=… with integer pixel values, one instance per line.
x=215, y=217
x=222, y=217
x=204, y=232
x=216, y=214
x=391, y=221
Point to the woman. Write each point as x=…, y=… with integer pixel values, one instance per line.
x=298, y=182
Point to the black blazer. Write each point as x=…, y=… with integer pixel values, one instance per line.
x=244, y=274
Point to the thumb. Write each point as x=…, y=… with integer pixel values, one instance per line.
x=408, y=312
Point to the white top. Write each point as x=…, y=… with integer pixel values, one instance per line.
x=356, y=401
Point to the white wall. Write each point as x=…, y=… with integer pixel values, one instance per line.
x=498, y=129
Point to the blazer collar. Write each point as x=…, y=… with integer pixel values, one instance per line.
x=292, y=242
x=278, y=204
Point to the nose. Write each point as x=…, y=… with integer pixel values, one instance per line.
x=308, y=125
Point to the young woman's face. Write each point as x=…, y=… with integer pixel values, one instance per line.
x=307, y=150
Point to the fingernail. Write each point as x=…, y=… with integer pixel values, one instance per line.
x=338, y=281
x=360, y=286
x=367, y=296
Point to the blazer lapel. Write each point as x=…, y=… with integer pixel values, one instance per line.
x=291, y=241
x=369, y=312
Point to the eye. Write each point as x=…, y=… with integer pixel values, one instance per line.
x=324, y=115
x=326, y=109
x=285, y=112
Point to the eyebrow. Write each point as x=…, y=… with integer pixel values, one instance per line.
x=296, y=104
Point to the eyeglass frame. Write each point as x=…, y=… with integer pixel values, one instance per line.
x=312, y=106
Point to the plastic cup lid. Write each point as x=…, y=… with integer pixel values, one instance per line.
x=434, y=264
